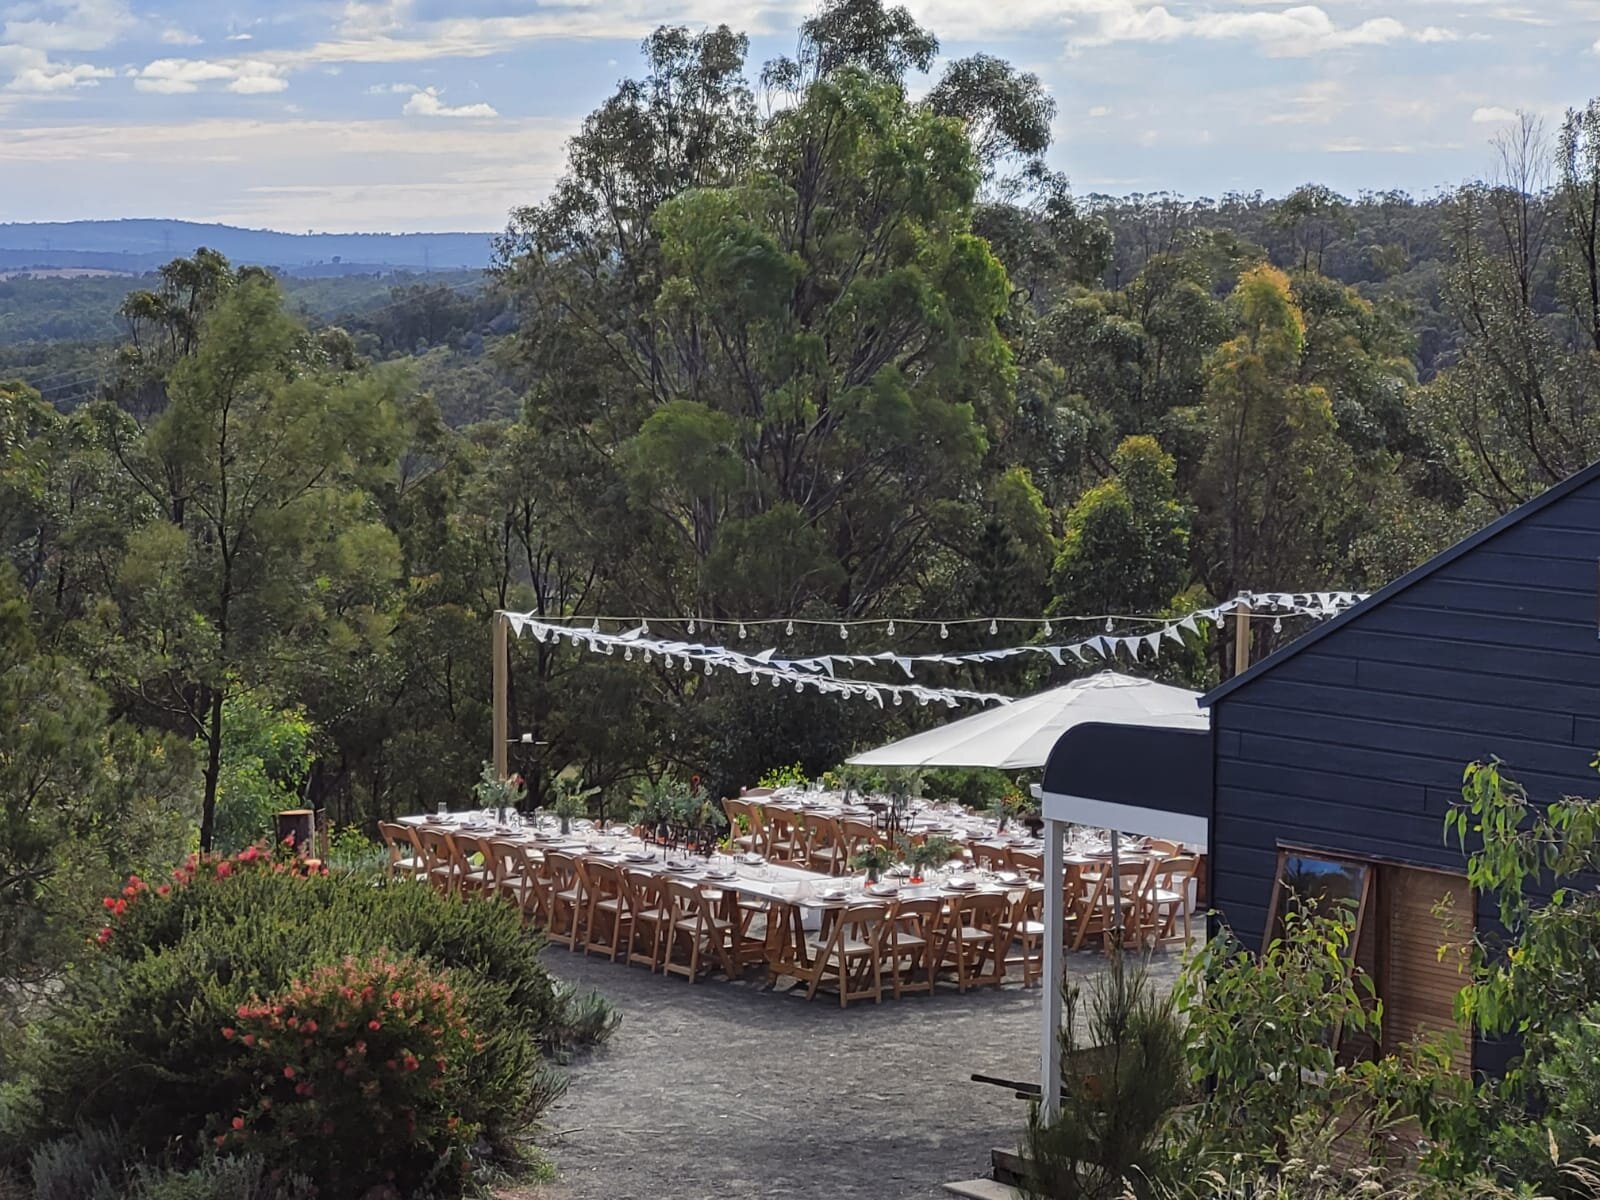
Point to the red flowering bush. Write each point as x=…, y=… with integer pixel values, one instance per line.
x=131, y=908
x=359, y=1077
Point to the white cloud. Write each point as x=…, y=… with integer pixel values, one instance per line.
x=179, y=37
x=178, y=76
x=1492, y=115
x=1297, y=32
x=240, y=37
x=68, y=24
x=426, y=103
x=34, y=73
x=392, y=89
x=1098, y=111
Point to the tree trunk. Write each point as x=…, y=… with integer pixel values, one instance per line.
x=208, y=806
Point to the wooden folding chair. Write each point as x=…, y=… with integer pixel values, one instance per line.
x=608, y=911
x=406, y=859
x=785, y=843
x=1169, y=898
x=514, y=872
x=824, y=850
x=652, y=917
x=1026, y=862
x=850, y=955
x=915, y=944
x=566, y=900
x=699, y=928
x=855, y=835
x=1106, y=890
x=440, y=862
x=471, y=877
x=976, y=937
x=1025, y=932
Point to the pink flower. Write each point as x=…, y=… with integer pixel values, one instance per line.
x=238, y=1122
x=103, y=936
x=288, y=1072
x=224, y=869
x=227, y=1033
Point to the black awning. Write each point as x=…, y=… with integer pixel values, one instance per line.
x=1143, y=779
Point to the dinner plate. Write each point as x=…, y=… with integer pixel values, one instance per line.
x=882, y=889
x=721, y=874
x=961, y=885
x=752, y=860
x=681, y=866
x=831, y=894
x=639, y=856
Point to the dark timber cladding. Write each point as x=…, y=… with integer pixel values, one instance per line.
x=1354, y=737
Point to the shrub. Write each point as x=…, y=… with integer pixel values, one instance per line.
x=360, y=1074
x=133, y=1038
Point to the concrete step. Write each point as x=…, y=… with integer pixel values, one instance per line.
x=982, y=1189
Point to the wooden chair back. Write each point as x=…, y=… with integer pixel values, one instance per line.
x=823, y=851
x=401, y=843
x=652, y=914
x=1026, y=862
x=440, y=859
x=512, y=871
x=785, y=841
x=855, y=835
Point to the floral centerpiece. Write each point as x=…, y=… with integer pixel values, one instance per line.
x=930, y=853
x=571, y=800
x=497, y=792
x=873, y=859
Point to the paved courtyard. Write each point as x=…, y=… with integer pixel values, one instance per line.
x=725, y=1090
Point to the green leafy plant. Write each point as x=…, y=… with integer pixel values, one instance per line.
x=498, y=794
x=873, y=859
x=360, y=1074
x=1123, y=1073
x=931, y=852
x=571, y=800
x=792, y=775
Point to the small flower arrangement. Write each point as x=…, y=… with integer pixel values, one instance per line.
x=933, y=852
x=873, y=859
x=498, y=793
x=571, y=800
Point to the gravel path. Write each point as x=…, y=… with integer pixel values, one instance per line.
x=725, y=1090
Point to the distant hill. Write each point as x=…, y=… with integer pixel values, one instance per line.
x=136, y=246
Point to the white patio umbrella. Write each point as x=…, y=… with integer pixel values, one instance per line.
x=1020, y=736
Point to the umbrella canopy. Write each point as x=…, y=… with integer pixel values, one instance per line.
x=1020, y=736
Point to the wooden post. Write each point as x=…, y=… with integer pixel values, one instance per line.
x=1241, y=639
x=502, y=690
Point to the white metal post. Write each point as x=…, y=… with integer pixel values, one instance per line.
x=1054, y=934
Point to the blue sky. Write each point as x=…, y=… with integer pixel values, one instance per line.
x=443, y=114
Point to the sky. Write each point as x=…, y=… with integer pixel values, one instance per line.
x=406, y=115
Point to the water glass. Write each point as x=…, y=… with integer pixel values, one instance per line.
x=443, y=810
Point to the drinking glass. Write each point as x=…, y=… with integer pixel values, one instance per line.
x=443, y=810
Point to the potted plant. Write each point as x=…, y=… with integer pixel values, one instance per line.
x=1009, y=806
x=931, y=853
x=873, y=859
x=572, y=801
x=498, y=793
x=652, y=808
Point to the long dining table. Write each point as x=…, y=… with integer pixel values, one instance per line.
x=799, y=901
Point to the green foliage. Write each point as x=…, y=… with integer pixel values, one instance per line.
x=976, y=788
x=135, y=1038
x=792, y=775
x=1123, y=1072
x=265, y=756
x=494, y=792
x=376, y=1045
x=1261, y=1030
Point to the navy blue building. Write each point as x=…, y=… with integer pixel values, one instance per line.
x=1346, y=748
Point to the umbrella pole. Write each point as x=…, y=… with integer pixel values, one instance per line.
x=1116, y=900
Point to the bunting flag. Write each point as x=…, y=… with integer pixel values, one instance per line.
x=821, y=672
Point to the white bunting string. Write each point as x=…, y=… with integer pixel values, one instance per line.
x=820, y=671
x=758, y=667
x=1263, y=606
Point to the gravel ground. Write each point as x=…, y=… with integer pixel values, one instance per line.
x=725, y=1090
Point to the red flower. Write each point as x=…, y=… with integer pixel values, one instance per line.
x=163, y=889
x=311, y=1027
x=374, y=1025
x=221, y=1139
x=224, y=869
x=110, y=902
x=238, y=1122
x=227, y=1033
x=103, y=936
x=288, y=1072
x=249, y=854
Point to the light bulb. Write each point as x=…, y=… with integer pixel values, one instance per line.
x=844, y=633
x=993, y=628
x=708, y=668
x=627, y=655
x=755, y=680
x=890, y=630
x=691, y=626
x=1277, y=624
x=1047, y=630
x=595, y=627
x=898, y=699
x=788, y=629
x=741, y=630
x=799, y=687
x=647, y=656
x=1109, y=625
x=944, y=630
x=775, y=681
